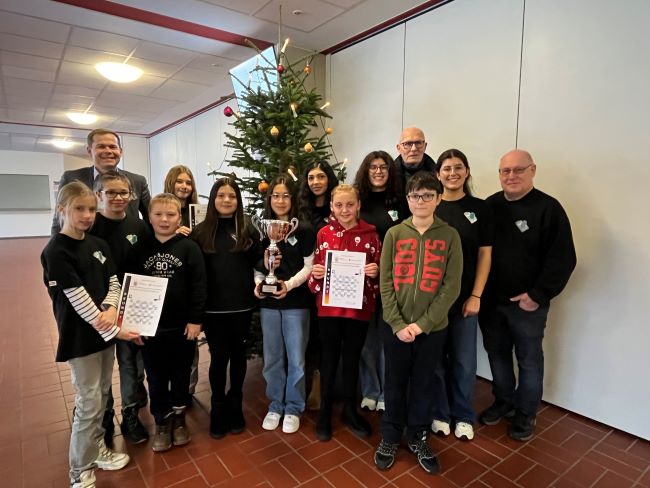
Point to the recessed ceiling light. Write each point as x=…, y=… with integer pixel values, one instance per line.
x=82, y=118
x=62, y=143
x=118, y=72
x=297, y=12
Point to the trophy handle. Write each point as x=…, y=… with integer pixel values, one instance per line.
x=257, y=223
x=294, y=226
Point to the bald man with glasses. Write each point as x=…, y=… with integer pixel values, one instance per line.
x=412, y=157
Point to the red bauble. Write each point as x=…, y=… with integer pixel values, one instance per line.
x=228, y=112
x=280, y=69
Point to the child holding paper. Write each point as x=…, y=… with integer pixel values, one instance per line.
x=81, y=280
x=168, y=355
x=343, y=330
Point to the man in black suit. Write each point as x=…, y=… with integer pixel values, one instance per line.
x=105, y=149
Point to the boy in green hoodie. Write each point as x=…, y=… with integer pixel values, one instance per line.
x=420, y=273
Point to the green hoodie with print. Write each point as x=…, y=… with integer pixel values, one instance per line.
x=420, y=275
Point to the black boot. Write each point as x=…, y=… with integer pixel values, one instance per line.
x=219, y=420
x=324, y=423
x=132, y=428
x=237, y=421
x=109, y=427
x=356, y=423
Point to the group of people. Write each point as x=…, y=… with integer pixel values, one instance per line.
x=439, y=262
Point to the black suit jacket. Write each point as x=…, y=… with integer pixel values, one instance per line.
x=85, y=175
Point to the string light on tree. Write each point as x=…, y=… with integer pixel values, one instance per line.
x=293, y=107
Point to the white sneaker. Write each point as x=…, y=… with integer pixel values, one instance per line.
x=368, y=403
x=464, y=431
x=440, y=427
x=290, y=424
x=271, y=421
x=86, y=480
x=381, y=406
x=110, y=460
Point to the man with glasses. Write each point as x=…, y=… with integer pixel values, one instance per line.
x=412, y=157
x=533, y=257
x=105, y=149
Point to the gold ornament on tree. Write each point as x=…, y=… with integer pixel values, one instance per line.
x=308, y=147
x=307, y=69
x=329, y=130
x=274, y=131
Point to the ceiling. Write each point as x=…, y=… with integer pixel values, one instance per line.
x=185, y=48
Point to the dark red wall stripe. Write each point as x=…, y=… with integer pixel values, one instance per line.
x=147, y=17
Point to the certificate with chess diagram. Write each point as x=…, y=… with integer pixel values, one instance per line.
x=197, y=214
x=344, y=279
x=141, y=303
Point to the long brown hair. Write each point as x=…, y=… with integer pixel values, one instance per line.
x=205, y=233
x=291, y=188
x=394, y=191
x=170, y=181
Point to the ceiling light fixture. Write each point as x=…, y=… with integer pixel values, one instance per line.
x=82, y=118
x=118, y=72
x=62, y=143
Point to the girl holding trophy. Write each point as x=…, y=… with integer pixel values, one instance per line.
x=284, y=309
x=229, y=250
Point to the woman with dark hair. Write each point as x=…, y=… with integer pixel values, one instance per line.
x=455, y=377
x=382, y=206
x=284, y=316
x=230, y=250
x=318, y=181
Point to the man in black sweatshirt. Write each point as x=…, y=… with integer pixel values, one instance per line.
x=533, y=257
x=412, y=157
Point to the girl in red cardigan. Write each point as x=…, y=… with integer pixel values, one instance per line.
x=343, y=330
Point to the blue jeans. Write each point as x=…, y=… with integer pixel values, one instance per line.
x=455, y=377
x=506, y=327
x=285, y=342
x=91, y=377
x=371, y=367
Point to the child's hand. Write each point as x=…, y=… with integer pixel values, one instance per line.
x=405, y=335
x=186, y=231
x=371, y=270
x=192, y=331
x=106, y=319
x=471, y=306
x=130, y=336
x=318, y=271
x=257, y=291
x=282, y=292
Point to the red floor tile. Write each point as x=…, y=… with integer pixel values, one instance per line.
x=514, y=466
x=584, y=472
x=612, y=480
x=536, y=477
x=463, y=473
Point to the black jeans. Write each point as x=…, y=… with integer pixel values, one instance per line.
x=226, y=334
x=340, y=337
x=168, y=360
x=505, y=327
x=408, y=388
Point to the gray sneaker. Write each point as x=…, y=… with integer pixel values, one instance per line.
x=110, y=460
x=162, y=439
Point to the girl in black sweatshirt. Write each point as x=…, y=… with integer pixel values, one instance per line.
x=230, y=252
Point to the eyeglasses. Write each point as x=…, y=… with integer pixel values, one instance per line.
x=518, y=171
x=425, y=197
x=382, y=168
x=280, y=196
x=406, y=145
x=111, y=194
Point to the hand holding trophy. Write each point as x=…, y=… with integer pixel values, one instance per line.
x=275, y=230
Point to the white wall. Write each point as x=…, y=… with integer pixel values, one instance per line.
x=583, y=115
x=29, y=223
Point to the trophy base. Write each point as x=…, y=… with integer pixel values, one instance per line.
x=269, y=289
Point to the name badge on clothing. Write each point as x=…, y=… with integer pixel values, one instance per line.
x=522, y=225
x=471, y=216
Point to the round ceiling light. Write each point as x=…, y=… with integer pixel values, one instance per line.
x=62, y=143
x=118, y=72
x=82, y=118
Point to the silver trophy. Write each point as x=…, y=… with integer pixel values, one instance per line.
x=275, y=230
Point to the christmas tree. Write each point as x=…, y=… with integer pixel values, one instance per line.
x=280, y=126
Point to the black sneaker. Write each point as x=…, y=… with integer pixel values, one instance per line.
x=522, y=427
x=132, y=428
x=426, y=458
x=385, y=454
x=493, y=414
x=356, y=423
x=324, y=426
x=219, y=420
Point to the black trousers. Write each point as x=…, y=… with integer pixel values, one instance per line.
x=408, y=388
x=340, y=337
x=168, y=360
x=226, y=334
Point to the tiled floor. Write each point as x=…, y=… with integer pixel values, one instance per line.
x=36, y=400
